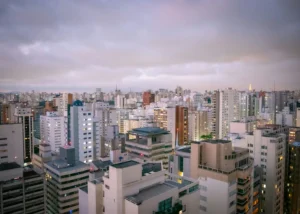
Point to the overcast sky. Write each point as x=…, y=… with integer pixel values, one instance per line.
x=148, y=44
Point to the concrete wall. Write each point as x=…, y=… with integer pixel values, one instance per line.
x=83, y=202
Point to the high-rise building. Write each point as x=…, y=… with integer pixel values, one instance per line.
x=298, y=117
x=120, y=101
x=292, y=199
x=281, y=100
x=131, y=187
x=226, y=108
x=62, y=103
x=285, y=117
x=199, y=124
x=99, y=94
x=53, y=130
x=25, y=117
x=161, y=118
x=11, y=144
x=148, y=98
x=21, y=190
x=181, y=125
x=4, y=113
x=267, y=146
x=150, y=144
x=225, y=174
x=82, y=132
x=37, y=111
x=63, y=178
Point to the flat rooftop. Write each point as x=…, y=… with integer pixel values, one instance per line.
x=8, y=166
x=178, y=185
x=150, y=192
x=64, y=167
x=102, y=164
x=212, y=141
x=125, y=164
x=148, y=131
x=151, y=167
x=184, y=149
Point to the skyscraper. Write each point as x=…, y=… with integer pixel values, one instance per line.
x=181, y=124
x=25, y=117
x=148, y=98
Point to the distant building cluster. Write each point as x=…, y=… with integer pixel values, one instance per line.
x=151, y=152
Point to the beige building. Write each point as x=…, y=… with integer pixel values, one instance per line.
x=161, y=118
x=199, y=124
x=226, y=175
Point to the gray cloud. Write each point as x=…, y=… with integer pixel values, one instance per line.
x=78, y=45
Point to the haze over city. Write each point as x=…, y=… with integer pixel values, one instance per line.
x=138, y=45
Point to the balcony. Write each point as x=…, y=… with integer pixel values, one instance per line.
x=173, y=210
x=216, y=170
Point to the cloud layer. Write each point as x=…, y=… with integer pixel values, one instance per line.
x=80, y=45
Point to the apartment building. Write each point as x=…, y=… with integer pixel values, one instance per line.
x=199, y=124
x=11, y=143
x=149, y=144
x=82, y=132
x=53, y=130
x=62, y=103
x=143, y=188
x=225, y=174
x=161, y=118
x=267, y=147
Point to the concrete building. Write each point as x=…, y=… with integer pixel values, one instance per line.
x=25, y=117
x=82, y=132
x=243, y=126
x=148, y=98
x=298, y=117
x=226, y=176
x=53, y=130
x=63, y=178
x=181, y=124
x=161, y=118
x=149, y=144
x=4, y=113
x=21, y=190
x=199, y=124
x=267, y=146
x=226, y=108
x=134, y=188
x=37, y=111
x=11, y=144
x=285, y=118
x=120, y=101
x=62, y=103
x=292, y=199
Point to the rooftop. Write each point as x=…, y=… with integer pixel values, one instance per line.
x=212, y=141
x=151, y=167
x=179, y=185
x=184, y=149
x=148, y=131
x=150, y=192
x=102, y=164
x=125, y=164
x=62, y=166
x=8, y=166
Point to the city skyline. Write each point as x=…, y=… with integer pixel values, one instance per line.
x=200, y=45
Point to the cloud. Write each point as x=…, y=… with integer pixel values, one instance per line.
x=142, y=44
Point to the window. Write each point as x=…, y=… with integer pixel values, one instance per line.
x=203, y=198
x=165, y=205
x=193, y=189
x=233, y=192
x=231, y=203
x=202, y=208
x=204, y=188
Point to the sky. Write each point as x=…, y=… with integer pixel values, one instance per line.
x=149, y=44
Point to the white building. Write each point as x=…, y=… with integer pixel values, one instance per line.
x=134, y=188
x=25, y=117
x=82, y=132
x=53, y=130
x=267, y=147
x=171, y=123
x=226, y=108
x=298, y=117
x=11, y=142
x=285, y=118
x=62, y=103
x=120, y=101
